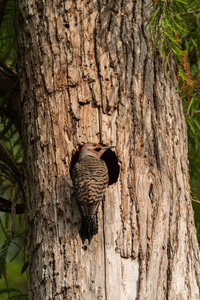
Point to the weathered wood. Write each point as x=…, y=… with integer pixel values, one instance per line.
x=76, y=59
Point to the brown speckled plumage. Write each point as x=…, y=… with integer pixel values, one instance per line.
x=90, y=178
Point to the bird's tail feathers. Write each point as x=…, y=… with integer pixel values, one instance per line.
x=89, y=227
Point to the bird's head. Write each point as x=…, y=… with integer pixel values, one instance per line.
x=93, y=149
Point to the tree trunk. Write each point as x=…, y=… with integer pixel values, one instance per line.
x=87, y=73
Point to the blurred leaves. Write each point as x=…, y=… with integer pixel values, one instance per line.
x=7, y=35
x=13, y=254
x=191, y=104
x=174, y=27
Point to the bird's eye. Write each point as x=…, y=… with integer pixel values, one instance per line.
x=97, y=149
x=94, y=145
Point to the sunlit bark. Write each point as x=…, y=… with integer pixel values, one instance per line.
x=87, y=73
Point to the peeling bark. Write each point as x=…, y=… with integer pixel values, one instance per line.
x=87, y=73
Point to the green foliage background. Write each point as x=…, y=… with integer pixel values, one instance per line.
x=191, y=44
x=174, y=28
x=7, y=35
x=13, y=255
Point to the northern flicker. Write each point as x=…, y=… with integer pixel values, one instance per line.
x=90, y=179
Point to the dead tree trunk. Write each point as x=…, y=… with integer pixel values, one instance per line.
x=87, y=73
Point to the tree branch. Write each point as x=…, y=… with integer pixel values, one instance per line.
x=194, y=112
x=2, y=9
x=6, y=205
x=13, y=209
x=9, y=91
x=188, y=12
x=6, y=158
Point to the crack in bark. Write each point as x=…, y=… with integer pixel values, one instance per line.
x=151, y=193
x=104, y=248
x=144, y=74
x=56, y=174
x=100, y=108
x=155, y=139
x=169, y=272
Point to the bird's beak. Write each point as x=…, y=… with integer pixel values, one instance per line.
x=108, y=147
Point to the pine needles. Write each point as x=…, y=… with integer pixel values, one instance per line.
x=168, y=26
x=174, y=28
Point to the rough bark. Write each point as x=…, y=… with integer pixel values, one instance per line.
x=87, y=73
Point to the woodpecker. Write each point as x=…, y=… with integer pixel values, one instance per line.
x=90, y=179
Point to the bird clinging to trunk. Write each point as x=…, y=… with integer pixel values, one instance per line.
x=90, y=179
